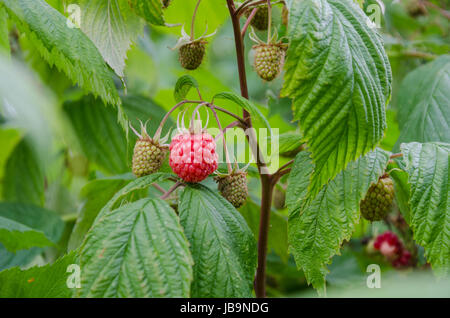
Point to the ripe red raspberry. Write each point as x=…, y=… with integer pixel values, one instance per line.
x=388, y=244
x=193, y=156
x=392, y=248
x=403, y=260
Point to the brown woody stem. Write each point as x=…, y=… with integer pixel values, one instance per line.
x=266, y=180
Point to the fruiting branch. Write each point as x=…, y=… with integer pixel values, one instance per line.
x=282, y=171
x=227, y=156
x=233, y=124
x=269, y=27
x=163, y=121
x=246, y=5
x=193, y=19
x=171, y=190
x=159, y=188
x=223, y=110
x=396, y=155
x=249, y=20
x=242, y=6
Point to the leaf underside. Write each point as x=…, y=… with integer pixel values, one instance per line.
x=69, y=49
x=112, y=26
x=150, y=10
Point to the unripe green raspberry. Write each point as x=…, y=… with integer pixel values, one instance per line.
x=279, y=198
x=416, y=8
x=378, y=201
x=148, y=156
x=261, y=19
x=191, y=54
x=269, y=60
x=234, y=188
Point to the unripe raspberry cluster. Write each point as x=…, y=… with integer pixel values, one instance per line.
x=148, y=157
x=378, y=201
x=261, y=19
x=233, y=187
x=193, y=157
x=392, y=248
x=191, y=54
x=269, y=59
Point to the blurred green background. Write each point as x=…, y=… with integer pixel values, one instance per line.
x=64, y=151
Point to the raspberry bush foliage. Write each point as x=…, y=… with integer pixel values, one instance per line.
x=273, y=149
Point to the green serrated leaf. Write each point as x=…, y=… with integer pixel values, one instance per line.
x=318, y=226
x=112, y=26
x=20, y=258
x=101, y=138
x=222, y=245
x=247, y=105
x=150, y=10
x=137, y=250
x=23, y=226
x=49, y=281
x=428, y=168
x=96, y=194
x=339, y=77
x=183, y=86
x=35, y=112
x=24, y=176
x=137, y=184
x=4, y=32
x=402, y=192
x=289, y=141
x=49, y=32
x=9, y=138
x=423, y=103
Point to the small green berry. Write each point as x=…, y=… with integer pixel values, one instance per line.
x=378, y=201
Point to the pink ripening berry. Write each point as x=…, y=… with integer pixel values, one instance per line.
x=193, y=156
